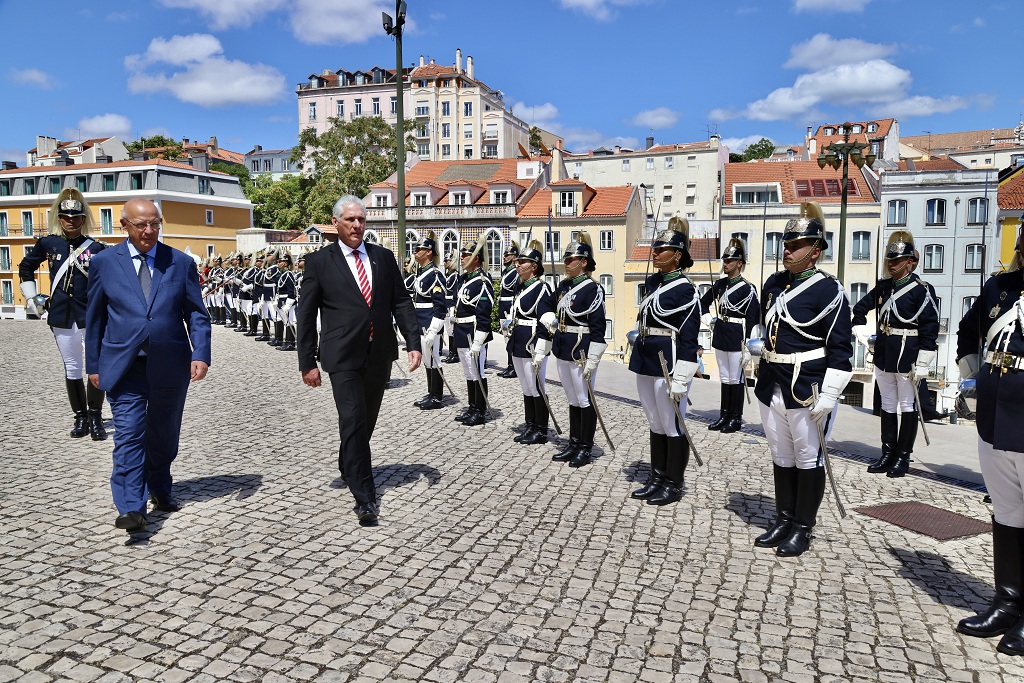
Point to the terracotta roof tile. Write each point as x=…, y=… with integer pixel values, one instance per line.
x=113, y=166
x=606, y=201
x=968, y=139
x=1011, y=192
x=788, y=174
x=936, y=164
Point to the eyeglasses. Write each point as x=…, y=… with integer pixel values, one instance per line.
x=143, y=226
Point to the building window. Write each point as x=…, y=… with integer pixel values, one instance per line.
x=973, y=258
x=5, y=258
x=30, y=186
x=751, y=196
x=108, y=182
x=742, y=237
x=935, y=212
x=933, y=258
x=204, y=186
x=341, y=109
x=419, y=199
x=358, y=107
x=284, y=164
x=500, y=198
x=494, y=251
x=268, y=165
x=467, y=109
x=459, y=198
x=136, y=181
x=423, y=150
x=640, y=293
x=977, y=211
x=607, y=240
x=827, y=251
x=772, y=246
x=381, y=200
x=467, y=153
x=312, y=111
x=968, y=302
x=625, y=165
x=107, y=221
x=446, y=151
x=897, y=212
x=606, y=284
x=3, y=224
x=579, y=169
x=376, y=106
x=5, y=188
x=26, y=223
x=669, y=162
x=8, y=293
x=451, y=243
x=650, y=163
x=552, y=246
x=858, y=290
x=490, y=151
x=666, y=194
x=872, y=127
x=255, y=165
x=54, y=185
x=394, y=106
x=691, y=193
x=446, y=130
x=567, y=203
x=467, y=131
x=861, y=245
x=209, y=216
x=446, y=109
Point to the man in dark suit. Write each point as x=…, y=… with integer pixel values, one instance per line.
x=147, y=336
x=357, y=289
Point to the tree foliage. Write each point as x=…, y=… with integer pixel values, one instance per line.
x=762, y=149
x=346, y=159
x=278, y=204
x=163, y=147
x=237, y=170
x=535, y=139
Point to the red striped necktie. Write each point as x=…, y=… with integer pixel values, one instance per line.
x=364, y=283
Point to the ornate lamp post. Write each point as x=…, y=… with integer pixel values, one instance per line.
x=393, y=27
x=840, y=154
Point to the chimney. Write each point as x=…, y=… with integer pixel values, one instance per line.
x=45, y=145
x=200, y=161
x=8, y=165
x=140, y=156
x=104, y=159
x=649, y=142
x=257, y=148
x=469, y=66
x=184, y=142
x=911, y=166
x=618, y=148
x=458, y=60
x=422, y=62
x=213, y=144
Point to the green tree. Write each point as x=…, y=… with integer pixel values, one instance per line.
x=278, y=204
x=535, y=139
x=346, y=159
x=166, y=148
x=762, y=149
x=241, y=172
x=735, y=158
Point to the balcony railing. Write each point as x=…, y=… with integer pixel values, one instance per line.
x=422, y=111
x=426, y=213
x=490, y=135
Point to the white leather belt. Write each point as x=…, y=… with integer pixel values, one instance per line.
x=898, y=332
x=467, y=319
x=426, y=305
x=1007, y=361
x=732, y=319
x=793, y=358
x=656, y=332
x=574, y=329
x=506, y=298
x=526, y=323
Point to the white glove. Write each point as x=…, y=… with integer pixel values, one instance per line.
x=286, y=308
x=923, y=365
x=479, y=339
x=506, y=326
x=541, y=349
x=593, y=358
x=427, y=340
x=744, y=356
x=682, y=375
x=436, y=325
x=861, y=333
x=550, y=321
x=831, y=389
x=246, y=288
x=968, y=366
x=706, y=319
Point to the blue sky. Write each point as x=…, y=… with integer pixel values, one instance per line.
x=598, y=72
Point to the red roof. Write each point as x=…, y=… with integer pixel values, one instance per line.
x=476, y=172
x=936, y=164
x=1011, y=192
x=606, y=201
x=806, y=174
x=113, y=165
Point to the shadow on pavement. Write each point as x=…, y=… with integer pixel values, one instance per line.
x=395, y=475
x=946, y=586
x=217, y=486
x=754, y=509
x=638, y=471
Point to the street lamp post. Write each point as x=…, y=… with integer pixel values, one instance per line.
x=840, y=154
x=393, y=27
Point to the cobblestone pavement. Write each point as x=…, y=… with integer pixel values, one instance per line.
x=491, y=563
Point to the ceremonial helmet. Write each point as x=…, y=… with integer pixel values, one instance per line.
x=735, y=250
x=429, y=241
x=581, y=247
x=900, y=244
x=70, y=202
x=535, y=254
x=810, y=225
x=512, y=249
x=285, y=256
x=474, y=248
x=675, y=236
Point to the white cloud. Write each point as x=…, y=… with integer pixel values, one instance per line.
x=738, y=145
x=209, y=79
x=340, y=21
x=101, y=126
x=660, y=117
x=829, y=5
x=228, y=13
x=39, y=79
x=823, y=51
x=576, y=139
x=601, y=10
x=921, y=105
x=11, y=154
x=156, y=130
x=541, y=115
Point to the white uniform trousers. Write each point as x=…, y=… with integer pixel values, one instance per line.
x=657, y=405
x=896, y=391
x=1003, y=472
x=792, y=435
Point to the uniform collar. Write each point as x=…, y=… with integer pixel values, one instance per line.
x=802, y=275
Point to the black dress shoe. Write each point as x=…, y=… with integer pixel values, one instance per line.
x=132, y=522
x=431, y=403
x=367, y=514
x=476, y=419
x=165, y=504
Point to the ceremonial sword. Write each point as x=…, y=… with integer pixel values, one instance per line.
x=824, y=453
x=544, y=396
x=437, y=359
x=593, y=402
x=920, y=413
x=675, y=405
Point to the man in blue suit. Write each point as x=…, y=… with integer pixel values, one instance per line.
x=149, y=336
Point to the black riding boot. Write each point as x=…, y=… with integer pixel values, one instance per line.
x=540, y=422
x=479, y=415
x=278, y=337
x=675, y=467
x=94, y=400
x=735, y=421
x=243, y=322
x=264, y=334
x=1007, y=605
x=588, y=426
x=453, y=353
x=785, y=508
x=432, y=401
x=231, y=317
x=530, y=413
x=79, y=406
x=470, y=402
x=723, y=410
x=810, y=489
x=904, y=444
x=890, y=428
x=575, y=418
x=659, y=457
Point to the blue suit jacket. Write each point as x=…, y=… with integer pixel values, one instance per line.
x=119, y=320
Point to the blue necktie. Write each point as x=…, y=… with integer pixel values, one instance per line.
x=145, y=277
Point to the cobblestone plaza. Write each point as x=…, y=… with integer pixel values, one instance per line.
x=491, y=562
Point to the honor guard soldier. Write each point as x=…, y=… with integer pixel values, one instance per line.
x=578, y=326
x=667, y=332
x=271, y=274
x=231, y=291
x=430, y=299
x=808, y=344
x=907, y=318
x=507, y=293
x=287, y=294
x=243, y=279
x=215, y=294
x=257, y=300
x=473, y=305
x=67, y=250
x=996, y=320
x=451, y=284
x=409, y=271
x=736, y=313
x=530, y=341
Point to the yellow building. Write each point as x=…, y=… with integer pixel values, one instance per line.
x=1011, y=213
x=202, y=209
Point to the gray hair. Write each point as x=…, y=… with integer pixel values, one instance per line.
x=345, y=201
